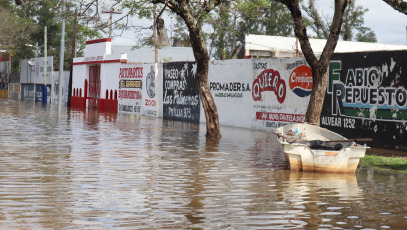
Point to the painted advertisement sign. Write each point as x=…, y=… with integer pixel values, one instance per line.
x=280, y=91
x=130, y=89
x=367, y=92
x=27, y=92
x=32, y=70
x=39, y=91
x=149, y=90
x=4, y=78
x=230, y=82
x=4, y=72
x=180, y=92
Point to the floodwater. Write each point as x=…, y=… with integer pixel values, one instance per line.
x=90, y=170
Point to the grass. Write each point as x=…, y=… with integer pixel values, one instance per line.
x=387, y=163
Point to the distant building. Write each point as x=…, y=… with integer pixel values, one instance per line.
x=264, y=46
x=147, y=54
x=121, y=78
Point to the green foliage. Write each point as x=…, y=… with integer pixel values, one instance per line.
x=180, y=34
x=390, y=163
x=30, y=18
x=353, y=22
x=234, y=20
x=366, y=35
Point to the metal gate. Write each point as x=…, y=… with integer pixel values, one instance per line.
x=94, y=86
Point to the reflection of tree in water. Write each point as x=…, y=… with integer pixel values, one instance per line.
x=199, y=181
x=185, y=163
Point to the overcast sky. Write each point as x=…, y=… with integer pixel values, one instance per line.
x=388, y=24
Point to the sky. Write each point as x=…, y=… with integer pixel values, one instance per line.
x=388, y=24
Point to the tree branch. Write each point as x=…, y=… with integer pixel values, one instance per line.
x=335, y=30
x=301, y=31
x=398, y=5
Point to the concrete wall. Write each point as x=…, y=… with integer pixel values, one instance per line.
x=260, y=93
x=367, y=97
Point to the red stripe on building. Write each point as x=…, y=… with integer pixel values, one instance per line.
x=98, y=41
x=98, y=62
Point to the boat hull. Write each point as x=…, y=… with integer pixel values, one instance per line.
x=301, y=157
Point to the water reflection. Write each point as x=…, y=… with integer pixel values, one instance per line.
x=90, y=170
x=318, y=196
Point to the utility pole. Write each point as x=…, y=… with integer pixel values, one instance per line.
x=111, y=11
x=44, y=89
x=73, y=55
x=155, y=34
x=61, y=60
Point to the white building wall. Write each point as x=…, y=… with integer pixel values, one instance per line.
x=79, y=73
x=150, y=90
x=258, y=94
x=230, y=83
x=130, y=94
x=109, y=75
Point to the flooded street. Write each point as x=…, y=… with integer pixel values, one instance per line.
x=90, y=170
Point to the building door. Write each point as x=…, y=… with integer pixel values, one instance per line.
x=94, y=86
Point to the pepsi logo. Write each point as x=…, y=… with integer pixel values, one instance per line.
x=301, y=81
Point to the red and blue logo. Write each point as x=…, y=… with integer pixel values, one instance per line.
x=301, y=81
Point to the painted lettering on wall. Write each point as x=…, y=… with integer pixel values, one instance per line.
x=367, y=97
x=363, y=88
x=129, y=108
x=339, y=122
x=130, y=84
x=293, y=65
x=131, y=72
x=269, y=80
x=128, y=94
x=281, y=117
x=94, y=58
x=259, y=65
x=180, y=92
x=230, y=86
x=301, y=81
x=229, y=89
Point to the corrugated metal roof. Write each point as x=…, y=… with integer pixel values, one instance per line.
x=147, y=54
x=288, y=44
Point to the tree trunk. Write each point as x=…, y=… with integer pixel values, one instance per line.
x=320, y=81
x=162, y=33
x=211, y=112
x=208, y=103
x=194, y=21
x=319, y=67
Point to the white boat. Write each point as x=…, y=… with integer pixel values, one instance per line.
x=315, y=149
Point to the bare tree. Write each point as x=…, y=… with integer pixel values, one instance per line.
x=398, y=5
x=319, y=67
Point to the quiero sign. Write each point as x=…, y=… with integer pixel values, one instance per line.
x=269, y=80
